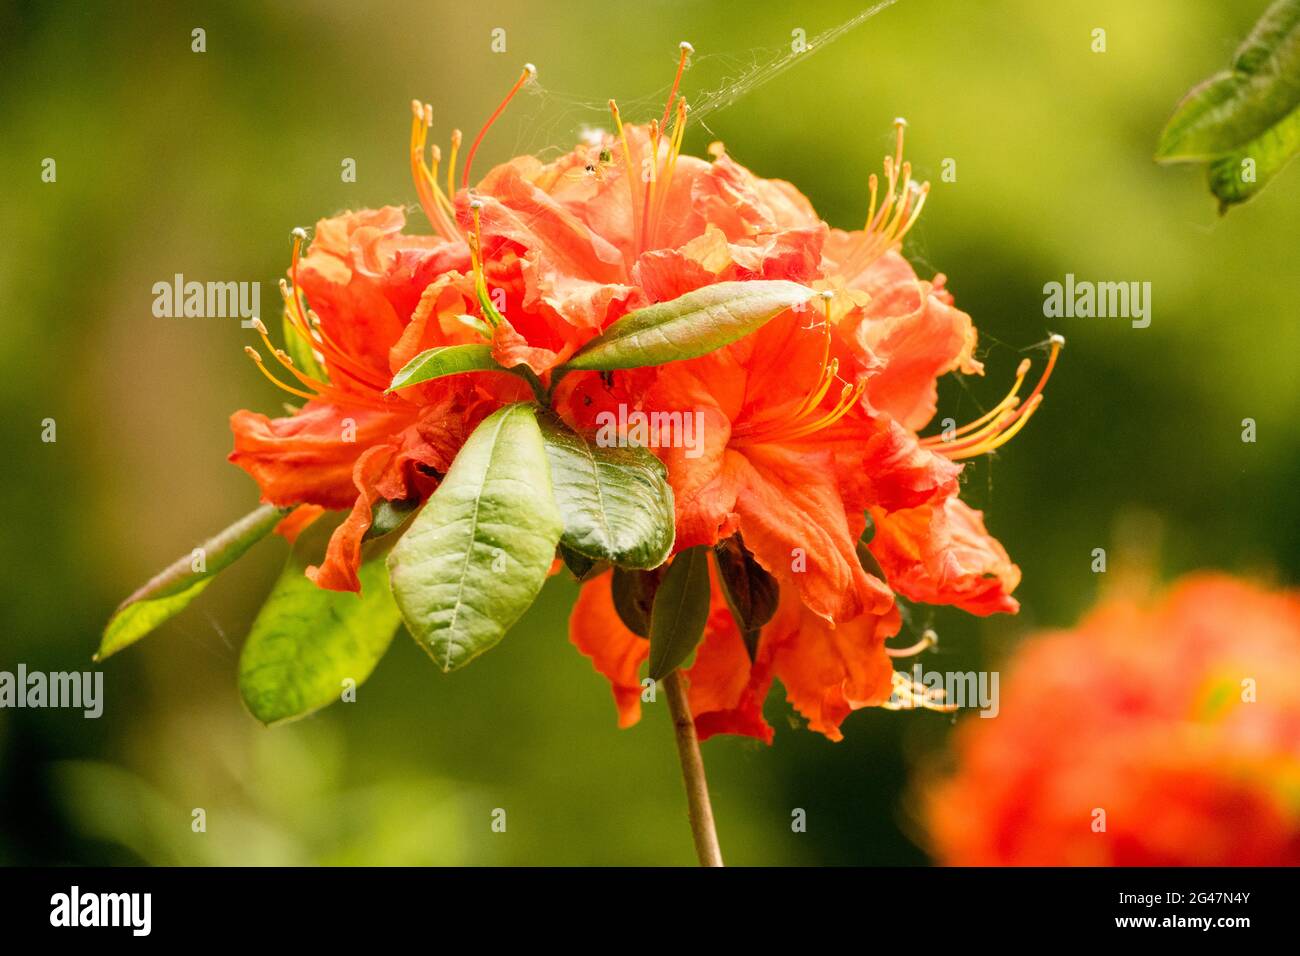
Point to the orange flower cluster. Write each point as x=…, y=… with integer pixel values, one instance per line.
x=810, y=425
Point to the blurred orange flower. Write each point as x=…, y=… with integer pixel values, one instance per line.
x=1150, y=735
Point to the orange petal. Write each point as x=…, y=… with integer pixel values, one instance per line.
x=916, y=333
x=942, y=554
x=830, y=670
x=338, y=572
x=793, y=520
x=297, y=521
x=726, y=692
x=304, y=458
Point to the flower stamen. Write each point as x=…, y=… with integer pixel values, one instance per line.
x=887, y=224
x=627, y=166
x=528, y=73
x=1003, y=422
x=928, y=640
x=687, y=50
x=908, y=695
x=435, y=204
x=800, y=422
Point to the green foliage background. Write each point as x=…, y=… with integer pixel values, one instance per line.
x=171, y=161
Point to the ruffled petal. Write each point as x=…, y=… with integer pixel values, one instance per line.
x=793, y=521
x=338, y=571
x=942, y=554
x=364, y=277
x=307, y=458
x=886, y=466
x=830, y=670
x=915, y=333
x=516, y=214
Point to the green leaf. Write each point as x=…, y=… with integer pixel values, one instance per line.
x=387, y=516
x=476, y=555
x=751, y=593
x=681, y=609
x=300, y=350
x=445, y=360
x=689, y=326
x=168, y=592
x=634, y=597
x=615, y=502
x=1241, y=174
x=579, y=565
x=306, y=641
x=1236, y=106
x=865, y=556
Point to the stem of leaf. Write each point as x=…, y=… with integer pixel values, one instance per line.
x=529, y=376
x=697, y=787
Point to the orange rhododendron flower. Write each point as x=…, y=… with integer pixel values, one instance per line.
x=1156, y=734
x=372, y=290
x=808, y=426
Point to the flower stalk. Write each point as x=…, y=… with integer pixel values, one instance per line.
x=700, y=809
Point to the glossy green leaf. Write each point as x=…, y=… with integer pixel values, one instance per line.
x=691, y=325
x=681, y=609
x=615, y=502
x=445, y=360
x=751, y=593
x=474, y=558
x=1241, y=174
x=579, y=565
x=1235, y=107
x=172, y=589
x=306, y=641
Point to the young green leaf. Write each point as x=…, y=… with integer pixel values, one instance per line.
x=615, y=502
x=680, y=612
x=1241, y=174
x=306, y=642
x=445, y=360
x=172, y=589
x=691, y=325
x=1234, y=107
x=474, y=558
x=751, y=593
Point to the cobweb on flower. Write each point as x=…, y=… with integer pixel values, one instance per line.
x=713, y=81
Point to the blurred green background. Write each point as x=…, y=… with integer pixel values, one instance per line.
x=200, y=163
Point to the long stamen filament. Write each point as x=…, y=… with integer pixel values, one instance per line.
x=631, y=178
x=528, y=73
x=927, y=641
x=1003, y=422
x=687, y=50
x=891, y=216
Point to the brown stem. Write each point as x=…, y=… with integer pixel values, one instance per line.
x=697, y=788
